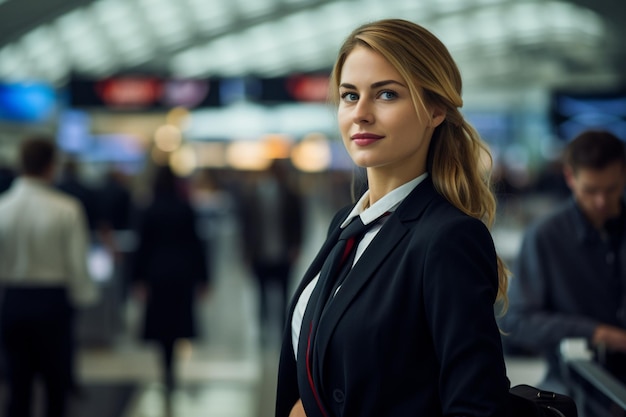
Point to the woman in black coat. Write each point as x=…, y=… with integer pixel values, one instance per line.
x=170, y=267
x=406, y=327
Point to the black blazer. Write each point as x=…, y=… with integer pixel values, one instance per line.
x=412, y=331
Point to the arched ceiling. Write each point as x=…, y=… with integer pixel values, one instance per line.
x=495, y=42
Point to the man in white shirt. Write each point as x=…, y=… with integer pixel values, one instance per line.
x=43, y=270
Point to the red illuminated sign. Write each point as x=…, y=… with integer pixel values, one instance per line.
x=308, y=88
x=129, y=92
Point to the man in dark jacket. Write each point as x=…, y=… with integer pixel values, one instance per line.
x=570, y=277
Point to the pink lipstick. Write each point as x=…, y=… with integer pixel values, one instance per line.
x=364, y=139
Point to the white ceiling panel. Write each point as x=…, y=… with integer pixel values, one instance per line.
x=205, y=38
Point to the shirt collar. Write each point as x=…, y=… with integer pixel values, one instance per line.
x=25, y=182
x=584, y=229
x=386, y=204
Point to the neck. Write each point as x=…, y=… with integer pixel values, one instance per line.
x=46, y=177
x=382, y=183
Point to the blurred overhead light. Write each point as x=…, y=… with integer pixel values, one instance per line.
x=168, y=138
x=276, y=146
x=247, y=155
x=312, y=154
x=184, y=161
x=178, y=116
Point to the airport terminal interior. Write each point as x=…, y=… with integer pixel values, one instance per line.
x=219, y=90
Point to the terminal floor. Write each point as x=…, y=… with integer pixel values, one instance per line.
x=231, y=374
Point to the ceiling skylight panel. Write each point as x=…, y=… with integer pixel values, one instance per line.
x=574, y=19
x=298, y=2
x=493, y=3
x=125, y=28
x=530, y=18
x=190, y=63
x=449, y=6
x=41, y=45
x=84, y=43
x=226, y=54
x=374, y=9
x=254, y=8
x=416, y=11
x=110, y=12
x=339, y=18
x=265, y=48
x=487, y=24
x=211, y=16
x=135, y=51
x=306, y=45
x=452, y=30
x=12, y=62
x=166, y=20
x=43, y=49
x=264, y=38
x=297, y=28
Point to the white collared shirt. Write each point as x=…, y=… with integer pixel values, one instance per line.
x=388, y=203
x=44, y=240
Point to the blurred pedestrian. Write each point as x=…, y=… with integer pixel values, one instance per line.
x=272, y=226
x=169, y=269
x=71, y=182
x=570, y=275
x=115, y=201
x=44, y=243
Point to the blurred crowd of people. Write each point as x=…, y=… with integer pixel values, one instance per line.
x=174, y=222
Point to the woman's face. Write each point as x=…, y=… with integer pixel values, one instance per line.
x=377, y=118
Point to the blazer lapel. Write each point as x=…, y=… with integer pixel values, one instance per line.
x=364, y=269
x=394, y=229
x=318, y=261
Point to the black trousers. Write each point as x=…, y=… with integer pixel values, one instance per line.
x=37, y=337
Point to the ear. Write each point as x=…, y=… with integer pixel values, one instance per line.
x=437, y=116
x=570, y=176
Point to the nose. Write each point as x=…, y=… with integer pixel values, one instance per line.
x=363, y=113
x=600, y=201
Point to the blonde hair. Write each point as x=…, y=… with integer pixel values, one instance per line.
x=456, y=153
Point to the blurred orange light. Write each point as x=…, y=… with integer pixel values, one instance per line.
x=277, y=146
x=312, y=154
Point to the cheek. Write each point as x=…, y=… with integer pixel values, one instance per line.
x=343, y=120
x=344, y=128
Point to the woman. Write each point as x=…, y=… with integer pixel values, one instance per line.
x=411, y=330
x=170, y=268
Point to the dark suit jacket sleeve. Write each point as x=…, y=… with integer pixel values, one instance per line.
x=460, y=280
x=531, y=321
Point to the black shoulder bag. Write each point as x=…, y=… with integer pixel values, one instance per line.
x=528, y=401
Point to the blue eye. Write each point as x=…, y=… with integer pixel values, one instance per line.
x=388, y=95
x=348, y=96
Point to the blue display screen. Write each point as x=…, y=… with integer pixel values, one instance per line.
x=573, y=113
x=27, y=102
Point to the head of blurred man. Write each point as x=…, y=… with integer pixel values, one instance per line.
x=595, y=171
x=38, y=157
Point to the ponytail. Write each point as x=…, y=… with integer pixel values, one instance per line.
x=459, y=163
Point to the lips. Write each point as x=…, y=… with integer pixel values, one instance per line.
x=364, y=139
x=366, y=136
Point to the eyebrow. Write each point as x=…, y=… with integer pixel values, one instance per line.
x=374, y=85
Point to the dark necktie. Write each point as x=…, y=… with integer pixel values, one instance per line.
x=333, y=272
x=339, y=261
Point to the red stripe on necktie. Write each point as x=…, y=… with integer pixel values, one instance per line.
x=308, y=371
x=348, y=248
